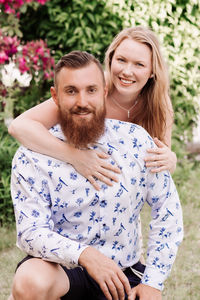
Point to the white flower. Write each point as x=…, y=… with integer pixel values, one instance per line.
x=24, y=79
x=10, y=73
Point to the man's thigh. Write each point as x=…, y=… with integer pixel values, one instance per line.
x=42, y=274
x=84, y=287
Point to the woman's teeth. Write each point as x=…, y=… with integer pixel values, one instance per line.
x=126, y=81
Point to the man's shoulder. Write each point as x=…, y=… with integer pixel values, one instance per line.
x=24, y=156
x=130, y=130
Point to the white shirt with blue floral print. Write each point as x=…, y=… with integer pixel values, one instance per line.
x=59, y=213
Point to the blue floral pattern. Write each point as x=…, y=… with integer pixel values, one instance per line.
x=59, y=213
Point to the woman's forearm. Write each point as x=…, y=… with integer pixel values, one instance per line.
x=36, y=137
x=89, y=163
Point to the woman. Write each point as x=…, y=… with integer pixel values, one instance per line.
x=138, y=85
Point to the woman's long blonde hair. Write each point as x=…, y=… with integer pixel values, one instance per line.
x=151, y=112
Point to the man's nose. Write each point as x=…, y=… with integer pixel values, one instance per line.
x=81, y=100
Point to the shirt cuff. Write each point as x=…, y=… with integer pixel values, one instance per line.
x=71, y=260
x=153, y=278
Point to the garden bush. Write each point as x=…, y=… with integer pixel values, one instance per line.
x=176, y=23
x=26, y=69
x=8, y=146
x=73, y=24
x=91, y=25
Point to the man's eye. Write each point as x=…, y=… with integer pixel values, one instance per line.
x=92, y=90
x=70, y=92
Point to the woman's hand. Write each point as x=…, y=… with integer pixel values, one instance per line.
x=92, y=165
x=162, y=158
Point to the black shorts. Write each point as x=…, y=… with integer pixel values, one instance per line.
x=84, y=287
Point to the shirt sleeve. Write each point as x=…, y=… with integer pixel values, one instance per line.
x=166, y=228
x=32, y=206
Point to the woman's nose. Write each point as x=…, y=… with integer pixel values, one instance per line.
x=128, y=71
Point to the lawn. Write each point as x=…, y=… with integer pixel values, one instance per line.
x=183, y=284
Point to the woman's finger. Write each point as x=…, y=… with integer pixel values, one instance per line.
x=102, y=155
x=107, y=175
x=102, y=178
x=159, y=158
x=159, y=143
x=157, y=163
x=111, y=167
x=157, y=170
x=93, y=182
x=107, y=165
x=156, y=150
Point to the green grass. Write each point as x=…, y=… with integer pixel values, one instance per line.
x=8, y=261
x=9, y=257
x=183, y=283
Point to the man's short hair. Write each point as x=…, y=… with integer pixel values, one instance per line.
x=76, y=60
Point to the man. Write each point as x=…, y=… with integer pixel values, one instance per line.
x=83, y=244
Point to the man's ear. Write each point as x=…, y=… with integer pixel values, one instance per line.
x=54, y=94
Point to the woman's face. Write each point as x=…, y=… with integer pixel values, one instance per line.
x=131, y=67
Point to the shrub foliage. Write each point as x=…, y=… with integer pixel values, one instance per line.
x=176, y=23
x=8, y=147
x=91, y=25
x=74, y=24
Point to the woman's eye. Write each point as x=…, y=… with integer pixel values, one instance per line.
x=140, y=65
x=121, y=59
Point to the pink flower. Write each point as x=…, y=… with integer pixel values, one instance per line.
x=42, y=1
x=8, y=39
x=8, y=9
x=45, y=60
x=25, y=50
x=35, y=59
x=19, y=2
x=22, y=65
x=3, y=57
x=40, y=51
x=10, y=45
x=36, y=68
x=11, y=6
x=12, y=50
x=46, y=75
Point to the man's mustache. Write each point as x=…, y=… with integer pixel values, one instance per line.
x=79, y=110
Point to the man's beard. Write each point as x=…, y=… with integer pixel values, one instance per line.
x=82, y=132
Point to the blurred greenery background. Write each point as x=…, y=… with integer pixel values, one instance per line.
x=91, y=25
